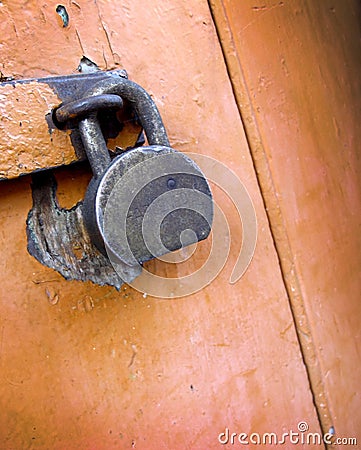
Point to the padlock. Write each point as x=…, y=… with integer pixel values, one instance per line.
x=147, y=201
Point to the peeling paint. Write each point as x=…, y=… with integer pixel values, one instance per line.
x=26, y=129
x=87, y=66
x=29, y=128
x=63, y=13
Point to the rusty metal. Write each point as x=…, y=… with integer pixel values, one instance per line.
x=177, y=171
x=74, y=87
x=85, y=106
x=36, y=99
x=115, y=85
x=50, y=92
x=70, y=87
x=159, y=170
x=127, y=244
x=57, y=238
x=142, y=103
x=95, y=145
x=157, y=179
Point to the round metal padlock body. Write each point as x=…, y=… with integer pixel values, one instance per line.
x=151, y=201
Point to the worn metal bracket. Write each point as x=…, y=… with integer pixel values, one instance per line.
x=23, y=107
x=72, y=88
x=115, y=217
x=57, y=236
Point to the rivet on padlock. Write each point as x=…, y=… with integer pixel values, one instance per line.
x=149, y=200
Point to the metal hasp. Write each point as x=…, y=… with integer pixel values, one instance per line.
x=148, y=200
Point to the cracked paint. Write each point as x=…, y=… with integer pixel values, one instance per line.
x=63, y=13
x=82, y=32
x=21, y=128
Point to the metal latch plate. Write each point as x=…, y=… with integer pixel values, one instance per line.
x=29, y=143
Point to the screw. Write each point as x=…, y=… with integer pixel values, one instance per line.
x=171, y=183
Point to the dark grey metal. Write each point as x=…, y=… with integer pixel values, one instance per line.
x=70, y=88
x=85, y=106
x=159, y=170
x=92, y=137
x=132, y=184
x=95, y=149
x=95, y=145
x=105, y=90
x=142, y=103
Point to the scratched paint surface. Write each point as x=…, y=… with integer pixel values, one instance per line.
x=27, y=144
x=84, y=366
x=37, y=45
x=35, y=34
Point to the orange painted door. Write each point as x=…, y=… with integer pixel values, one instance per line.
x=87, y=366
x=295, y=71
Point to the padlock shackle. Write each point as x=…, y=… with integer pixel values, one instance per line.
x=95, y=145
x=142, y=103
